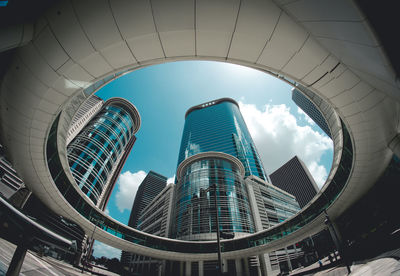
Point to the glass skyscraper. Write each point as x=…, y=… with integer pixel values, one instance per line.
x=96, y=152
x=219, y=126
x=216, y=148
x=201, y=177
x=310, y=109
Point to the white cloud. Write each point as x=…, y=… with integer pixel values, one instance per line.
x=306, y=117
x=101, y=249
x=319, y=173
x=128, y=184
x=107, y=211
x=278, y=138
x=171, y=179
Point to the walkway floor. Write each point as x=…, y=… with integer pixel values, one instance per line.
x=383, y=267
x=35, y=265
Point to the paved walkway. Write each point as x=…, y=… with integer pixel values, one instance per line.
x=35, y=265
x=382, y=267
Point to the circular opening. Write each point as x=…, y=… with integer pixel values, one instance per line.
x=163, y=93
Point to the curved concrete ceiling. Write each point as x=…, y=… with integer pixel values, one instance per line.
x=326, y=46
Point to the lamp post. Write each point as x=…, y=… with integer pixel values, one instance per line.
x=336, y=240
x=214, y=186
x=218, y=234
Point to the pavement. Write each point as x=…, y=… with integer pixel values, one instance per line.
x=35, y=265
x=382, y=266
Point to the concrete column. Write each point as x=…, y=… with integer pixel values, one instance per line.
x=394, y=145
x=224, y=265
x=337, y=239
x=201, y=268
x=188, y=269
x=181, y=268
x=238, y=265
x=288, y=259
x=265, y=264
x=171, y=266
x=246, y=268
x=162, y=268
x=17, y=260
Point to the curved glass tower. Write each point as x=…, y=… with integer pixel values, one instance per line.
x=219, y=126
x=95, y=153
x=194, y=205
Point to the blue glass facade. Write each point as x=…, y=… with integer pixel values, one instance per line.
x=219, y=126
x=310, y=109
x=96, y=150
x=194, y=204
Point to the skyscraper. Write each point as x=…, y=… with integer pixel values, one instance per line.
x=155, y=219
x=148, y=190
x=85, y=113
x=270, y=206
x=204, y=180
x=214, y=137
x=294, y=178
x=219, y=161
x=219, y=126
x=310, y=109
x=95, y=154
x=150, y=187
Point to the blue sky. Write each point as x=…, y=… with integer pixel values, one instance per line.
x=163, y=93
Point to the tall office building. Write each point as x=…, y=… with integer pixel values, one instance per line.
x=155, y=219
x=217, y=148
x=85, y=113
x=271, y=206
x=150, y=187
x=95, y=154
x=201, y=178
x=294, y=178
x=310, y=109
x=219, y=126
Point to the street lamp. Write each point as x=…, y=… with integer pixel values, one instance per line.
x=336, y=240
x=220, y=234
x=214, y=186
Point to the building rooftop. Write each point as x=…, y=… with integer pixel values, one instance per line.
x=210, y=103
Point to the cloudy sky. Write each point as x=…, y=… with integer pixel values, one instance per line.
x=163, y=93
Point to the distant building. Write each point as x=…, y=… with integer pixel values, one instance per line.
x=270, y=206
x=294, y=178
x=148, y=190
x=155, y=219
x=150, y=187
x=311, y=110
